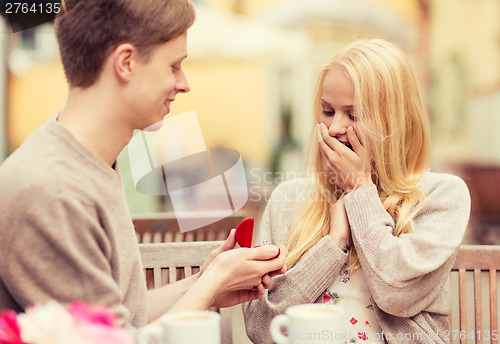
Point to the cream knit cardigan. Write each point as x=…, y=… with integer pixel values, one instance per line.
x=408, y=276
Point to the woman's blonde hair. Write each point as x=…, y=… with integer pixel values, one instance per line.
x=393, y=126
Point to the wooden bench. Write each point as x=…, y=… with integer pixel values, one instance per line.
x=474, y=277
x=475, y=289
x=163, y=227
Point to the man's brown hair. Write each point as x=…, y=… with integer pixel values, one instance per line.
x=91, y=29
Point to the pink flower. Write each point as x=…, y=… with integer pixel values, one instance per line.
x=47, y=323
x=362, y=335
x=83, y=312
x=52, y=323
x=9, y=328
x=96, y=324
x=353, y=321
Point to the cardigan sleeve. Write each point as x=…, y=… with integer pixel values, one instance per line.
x=60, y=251
x=406, y=273
x=304, y=282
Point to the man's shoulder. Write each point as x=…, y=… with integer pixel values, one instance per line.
x=35, y=173
x=25, y=186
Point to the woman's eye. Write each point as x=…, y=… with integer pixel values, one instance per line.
x=352, y=117
x=328, y=113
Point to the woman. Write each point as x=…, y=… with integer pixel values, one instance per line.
x=372, y=230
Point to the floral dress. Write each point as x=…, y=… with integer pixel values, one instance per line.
x=352, y=293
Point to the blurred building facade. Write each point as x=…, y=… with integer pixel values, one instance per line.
x=253, y=65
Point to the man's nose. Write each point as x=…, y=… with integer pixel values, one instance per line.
x=182, y=85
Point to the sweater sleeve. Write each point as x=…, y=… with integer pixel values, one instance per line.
x=304, y=283
x=406, y=273
x=60, y=251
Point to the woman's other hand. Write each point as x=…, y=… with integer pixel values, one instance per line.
x=340, y=231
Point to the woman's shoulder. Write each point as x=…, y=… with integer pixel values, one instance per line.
x=443, y=183
x=445, y=190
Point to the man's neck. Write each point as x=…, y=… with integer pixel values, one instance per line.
x=92, y=119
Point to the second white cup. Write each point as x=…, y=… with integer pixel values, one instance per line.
x=193, y=327
x=311, y=323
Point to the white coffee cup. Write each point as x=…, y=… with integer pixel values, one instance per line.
x=191, y=327
x=310, y=323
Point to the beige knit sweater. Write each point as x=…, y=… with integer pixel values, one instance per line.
x=408, y=276
x=65, y=229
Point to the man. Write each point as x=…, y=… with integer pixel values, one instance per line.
x=65, y=230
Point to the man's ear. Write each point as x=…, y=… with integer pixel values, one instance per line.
x=124, y=58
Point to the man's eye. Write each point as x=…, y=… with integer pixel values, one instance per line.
x=175, y=68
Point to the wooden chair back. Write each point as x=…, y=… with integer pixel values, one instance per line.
x=165, y=263
x=475, y=269
x=163, y=227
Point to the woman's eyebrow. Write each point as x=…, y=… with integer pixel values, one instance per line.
x=345, y=107
x=325, y=102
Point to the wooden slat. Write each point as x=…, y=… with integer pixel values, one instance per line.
x=478, y=306
x=157, y=237
x=221, y=235
x=189, y=236
x=493, y=305
x=178, y=237
x=188, y=271
x=172, y=274
x=146, y=237
x=157, y=277
x=211, y=236
x=463, y=302
x=168, y=237
x=198, y=236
